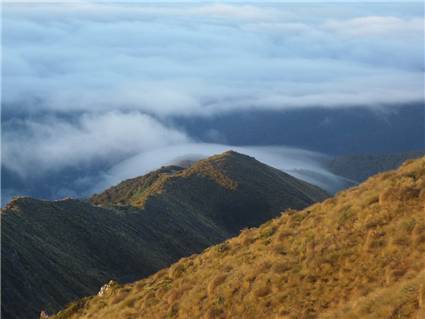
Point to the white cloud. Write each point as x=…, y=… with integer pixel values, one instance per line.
x=249, y=12
x=203, y=59
x=87, y=82
x=378, y=26
x=35, y=147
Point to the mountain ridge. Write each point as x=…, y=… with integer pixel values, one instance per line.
x=357, y=255
x=56, y=251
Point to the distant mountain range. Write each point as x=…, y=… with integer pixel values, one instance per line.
x=358, y=255
x=357, y=168
x=333, y=131
x=56, y=251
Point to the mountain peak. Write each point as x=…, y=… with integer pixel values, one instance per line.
x=359, y=254
x=230, y=155
x=136, y=227
x=135, y=191
x=228, y=169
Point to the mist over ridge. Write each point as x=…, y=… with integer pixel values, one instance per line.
x=88, y=87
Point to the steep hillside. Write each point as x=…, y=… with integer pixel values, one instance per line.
x=232, y=189
x=359, y=255
x=130, y=191
x=56, y=251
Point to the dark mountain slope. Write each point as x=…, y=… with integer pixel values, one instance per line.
x=229, y=188
x=334, y=131
x=53, y=252
x=358, y=168
x=126, y=192
x=359, y=255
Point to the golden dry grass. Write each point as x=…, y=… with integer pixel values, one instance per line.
x=360, y=254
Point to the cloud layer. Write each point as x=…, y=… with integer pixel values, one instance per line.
x=204, y=59
x=97, y=84
x=51, y=144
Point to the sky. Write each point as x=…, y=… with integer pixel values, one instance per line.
x=92, y=86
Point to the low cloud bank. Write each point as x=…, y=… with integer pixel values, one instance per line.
x=91, y=88
x=86, y=154
x=51, y=144
x=204, y=59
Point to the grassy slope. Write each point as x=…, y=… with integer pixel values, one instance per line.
x=54, y=252
x=130, y=191
x=360, y=254
x=231, y=189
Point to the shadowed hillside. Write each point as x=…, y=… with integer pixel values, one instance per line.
x=57, y=251
x=232, y=189
x=359, y=255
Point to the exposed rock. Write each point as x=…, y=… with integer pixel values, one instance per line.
x=107, y=288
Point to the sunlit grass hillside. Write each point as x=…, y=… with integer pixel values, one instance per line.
x=360, y=254
x=54, y=252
